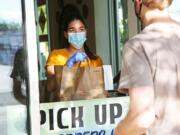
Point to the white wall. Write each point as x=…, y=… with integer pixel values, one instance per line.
x=102, y=30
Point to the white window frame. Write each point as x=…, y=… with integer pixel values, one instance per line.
x=32, y=63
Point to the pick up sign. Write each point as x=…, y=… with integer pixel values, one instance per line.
x=83, y=117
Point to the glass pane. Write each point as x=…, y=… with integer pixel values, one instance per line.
x=42, y=16
x=122, y=34
x=43, y=44
x=122, y=21
x=13, y=78
x=44, y=52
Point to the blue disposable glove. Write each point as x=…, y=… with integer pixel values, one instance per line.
x=77, y=57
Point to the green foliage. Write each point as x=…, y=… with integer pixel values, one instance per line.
x=9, y=26
x=123, y=31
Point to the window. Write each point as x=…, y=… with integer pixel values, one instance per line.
x=13, y=88
x=43, y=36
x=122, y=21
x=117, y=32
x=122, y=26
x=18, y=68
x=119, y=12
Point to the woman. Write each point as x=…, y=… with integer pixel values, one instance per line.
x=75, y=33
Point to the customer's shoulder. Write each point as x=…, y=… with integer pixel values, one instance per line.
x=135, y=40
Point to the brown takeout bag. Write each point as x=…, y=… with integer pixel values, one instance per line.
x=79, y=83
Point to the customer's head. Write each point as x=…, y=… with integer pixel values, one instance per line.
x=160, y=4
x=143, y=6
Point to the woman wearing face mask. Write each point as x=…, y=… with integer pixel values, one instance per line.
x=75, y=50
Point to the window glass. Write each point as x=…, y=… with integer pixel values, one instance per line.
x=43, y=44
x=12, y=69
x=122, y=21
x=121, y=35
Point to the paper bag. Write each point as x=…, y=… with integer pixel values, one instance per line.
x=79, y=83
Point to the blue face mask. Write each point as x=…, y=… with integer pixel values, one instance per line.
x=77, y=39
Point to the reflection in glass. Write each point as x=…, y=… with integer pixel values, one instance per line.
x=11, y=40
x=123, y=21
x=122, y=36
x=13, y=113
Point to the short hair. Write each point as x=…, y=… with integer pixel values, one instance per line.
x=160, y=4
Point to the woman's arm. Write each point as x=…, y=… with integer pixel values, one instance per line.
x=51, y=86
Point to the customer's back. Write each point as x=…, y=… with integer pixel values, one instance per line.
x=150, y=73
x=161, y=44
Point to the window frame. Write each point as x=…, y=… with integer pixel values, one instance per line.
x=32, y=63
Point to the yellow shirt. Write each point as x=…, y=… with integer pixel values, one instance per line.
x=60, y=57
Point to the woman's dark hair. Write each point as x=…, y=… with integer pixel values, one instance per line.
x=67, y=21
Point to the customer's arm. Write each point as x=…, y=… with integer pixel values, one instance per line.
x=141, y=112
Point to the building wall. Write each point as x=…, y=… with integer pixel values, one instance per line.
x=102, y=30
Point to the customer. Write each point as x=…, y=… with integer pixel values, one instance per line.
x=76, y=50
x=19, y=76
x=151, y=73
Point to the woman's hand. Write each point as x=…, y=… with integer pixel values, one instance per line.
x=77, y=57
x=50, y=70
x=50, y=78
